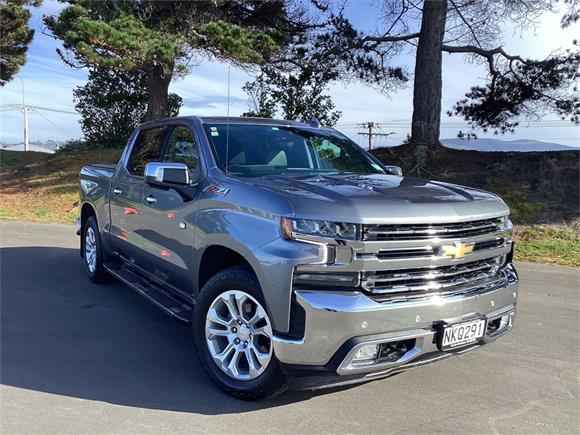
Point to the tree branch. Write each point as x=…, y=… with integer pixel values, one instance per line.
x=467, y=23
x=487, y=54
x=387, y=38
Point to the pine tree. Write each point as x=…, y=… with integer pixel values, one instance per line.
x=112, y=103
x=15, y=36
x=163, y=38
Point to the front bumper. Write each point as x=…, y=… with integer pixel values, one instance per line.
x=336, y=323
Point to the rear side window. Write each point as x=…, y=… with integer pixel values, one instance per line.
x=147, y=149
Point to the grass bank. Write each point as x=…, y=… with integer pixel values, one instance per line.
x=44, y=188
x=554, y=244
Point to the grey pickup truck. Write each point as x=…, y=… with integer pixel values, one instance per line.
x=300, y=260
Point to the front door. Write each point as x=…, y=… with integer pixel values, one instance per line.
x=168, y=218
x=126, y=194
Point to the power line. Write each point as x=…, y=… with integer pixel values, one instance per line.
x=460, y=124
x=25, y=109
x=370, y=126
x=56, y=126
x=48, y=109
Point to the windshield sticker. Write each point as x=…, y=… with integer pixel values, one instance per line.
x=275, y=128
x=215, y=133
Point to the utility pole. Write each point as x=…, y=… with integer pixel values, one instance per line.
x=370, y=126
x=26, y=144
x=25, y=109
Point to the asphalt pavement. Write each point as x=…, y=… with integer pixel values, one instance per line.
x=76, y=357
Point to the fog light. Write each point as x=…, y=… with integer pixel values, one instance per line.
x=394, y=351
x=500, y=324
x=366, y=353
x=505, y=321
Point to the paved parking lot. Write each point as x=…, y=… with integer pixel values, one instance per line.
x=81, y=358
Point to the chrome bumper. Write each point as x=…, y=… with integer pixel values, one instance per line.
x=337, y=322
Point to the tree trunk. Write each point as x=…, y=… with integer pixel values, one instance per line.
x=158, y=91
x=428, y=79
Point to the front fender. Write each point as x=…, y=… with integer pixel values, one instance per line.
x=255, y=235
x=274, y=265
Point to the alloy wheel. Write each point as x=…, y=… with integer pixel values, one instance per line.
x=239, y=335
x=91, y=249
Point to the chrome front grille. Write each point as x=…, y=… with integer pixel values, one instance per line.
x=442, y=280
x=429, y=251
x=456, y=230
x=417, y=261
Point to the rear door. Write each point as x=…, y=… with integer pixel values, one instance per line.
x=127, y=193
x=168, y=218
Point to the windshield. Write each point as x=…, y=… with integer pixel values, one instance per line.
x=265, y=149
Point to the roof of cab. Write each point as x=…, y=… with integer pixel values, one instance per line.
x=232, y=120
x=250, y=120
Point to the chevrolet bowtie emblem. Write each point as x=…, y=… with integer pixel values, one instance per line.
x=457, y=250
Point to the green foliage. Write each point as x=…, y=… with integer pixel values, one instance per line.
x=521, y=211
x=237, y=43
x=161, y=38
x=112, y=103
x=297, y=95
x=41, y=212
x=18, y=158
x=123, y=42
x=15, y=36
x=540, y=84
x=262, y=105
x=559, y=244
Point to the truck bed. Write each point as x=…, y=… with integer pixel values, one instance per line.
x=95, y=184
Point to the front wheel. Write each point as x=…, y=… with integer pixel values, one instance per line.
x=234, y=337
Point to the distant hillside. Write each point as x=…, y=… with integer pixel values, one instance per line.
x=49, y=144
x=490, y=145
x=32, y=147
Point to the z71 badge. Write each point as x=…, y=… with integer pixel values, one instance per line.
x=218, y=190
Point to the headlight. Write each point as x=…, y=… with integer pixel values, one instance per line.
x=504, y=223
x=335, y=230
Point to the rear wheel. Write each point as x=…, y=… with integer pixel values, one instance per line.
x=93, y=252
x=234, y=336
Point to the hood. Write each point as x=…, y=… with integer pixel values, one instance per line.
x=380, y=198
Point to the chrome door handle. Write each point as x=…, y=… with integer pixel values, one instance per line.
x=117, y=191
x=151, y=199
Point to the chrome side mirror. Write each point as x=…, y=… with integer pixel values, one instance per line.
x=395, y=170
x=167, y=174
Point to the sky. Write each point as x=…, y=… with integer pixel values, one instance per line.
x=48, y=82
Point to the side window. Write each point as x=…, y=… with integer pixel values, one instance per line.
x=181, y=149
x=147, y=149
x=329, y=154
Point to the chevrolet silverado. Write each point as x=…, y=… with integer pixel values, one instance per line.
x=300, y=260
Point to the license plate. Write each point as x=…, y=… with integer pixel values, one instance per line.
x=462, y=334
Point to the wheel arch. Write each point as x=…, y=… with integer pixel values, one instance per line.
x=216, y=258
x=87, y=210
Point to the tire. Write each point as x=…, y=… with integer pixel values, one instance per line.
x=93, y=252
x=257, y=379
